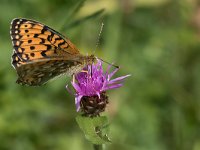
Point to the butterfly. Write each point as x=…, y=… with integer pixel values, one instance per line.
x=41, y=53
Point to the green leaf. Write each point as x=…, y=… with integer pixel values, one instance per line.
x=95, y=129
x=72, y=13
x=79, y=21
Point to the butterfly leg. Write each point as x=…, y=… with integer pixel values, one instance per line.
x=84, y=71
x=73, y=78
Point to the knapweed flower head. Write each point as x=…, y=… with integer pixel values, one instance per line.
x=91, y=85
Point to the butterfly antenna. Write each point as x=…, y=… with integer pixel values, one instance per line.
x=99, y=36
x=97, y=44
x=108, y=63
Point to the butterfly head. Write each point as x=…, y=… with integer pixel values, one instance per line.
x=90, y=60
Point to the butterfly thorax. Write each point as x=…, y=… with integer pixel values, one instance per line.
x=89, y=60
x=78, y=64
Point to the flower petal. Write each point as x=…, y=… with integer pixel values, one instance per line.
x=95, y=80
x=107, y=70
x=69, y=90
x=76, y=87
x=77, y=102
x=118, y=79
x=98, y=94
x=114, y=86
x=112, y=73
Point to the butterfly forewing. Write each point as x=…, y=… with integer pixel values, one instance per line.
x=41, y=53
x=30, y=36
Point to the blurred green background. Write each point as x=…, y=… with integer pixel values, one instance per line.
x=157, y=41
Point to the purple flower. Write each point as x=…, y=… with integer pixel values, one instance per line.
x=94, y=82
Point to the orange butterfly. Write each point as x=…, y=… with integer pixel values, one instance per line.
x=41, y=53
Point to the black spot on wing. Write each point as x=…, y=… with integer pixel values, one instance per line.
x=32, y=55
x=49, y=47
x=45, y=28
x=32, y=47
x=43, y=53
x=49, y=38
x=62, y=43
x=36, y=35
x=42, y=41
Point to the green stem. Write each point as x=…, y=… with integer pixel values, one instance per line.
x=98, y=147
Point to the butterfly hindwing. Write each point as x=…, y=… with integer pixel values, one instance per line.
x=36, y=77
